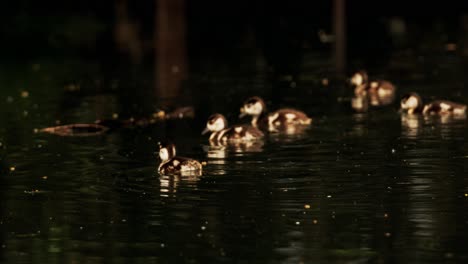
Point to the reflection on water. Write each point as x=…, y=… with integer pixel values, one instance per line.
x=168, y=184
x=221, y=151
x=411, y=125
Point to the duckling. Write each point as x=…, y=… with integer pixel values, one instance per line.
x=412, y=104
x=444, y=107
x=275, y=121
x=379, y=92
x=171, y=164
x=222, y=134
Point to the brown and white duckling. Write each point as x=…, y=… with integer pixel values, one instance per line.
x=171, y=164
x=274, y=121
x=379, y=92
x=412, y=103
x=222, y=134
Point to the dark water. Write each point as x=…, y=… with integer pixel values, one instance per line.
x=355, y=188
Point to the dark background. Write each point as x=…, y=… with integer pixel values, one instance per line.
x=221, y=30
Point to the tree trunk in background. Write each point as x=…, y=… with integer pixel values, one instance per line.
x=170, y=44
x=127, y=33
x=339, y=26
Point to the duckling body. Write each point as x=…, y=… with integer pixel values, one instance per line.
x=274, y=121
x=222, y=134
x=412, y=104
x=444, y=107
x=172, y=164
x=378, y=92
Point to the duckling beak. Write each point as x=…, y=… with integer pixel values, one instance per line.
x=206, y=130
x=242, y=112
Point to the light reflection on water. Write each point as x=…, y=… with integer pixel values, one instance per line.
x=355, y=187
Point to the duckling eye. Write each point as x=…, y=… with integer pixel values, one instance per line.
x=212, y=121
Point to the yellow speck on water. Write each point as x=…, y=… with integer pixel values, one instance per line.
x=388, y=234
x=24, y=94
x=451, y=47
x=466, y=194
x=325, y=82
x=307, y=206
x=159, y=114
x=44, y=177
x=12, y=168
x=315, y=221
x=36, y=130
x=385, y=215
x=298, y=223
x=115, y=115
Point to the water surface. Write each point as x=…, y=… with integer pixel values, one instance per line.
x=354, y=188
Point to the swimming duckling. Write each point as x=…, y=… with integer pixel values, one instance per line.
x=171, y=164
x=412, y=103
x=275, y=121
x=379, y=92
x=222, y=134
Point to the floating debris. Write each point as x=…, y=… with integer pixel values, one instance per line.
x=83, y=130
x=307, y=206
x=12, y=169
x=32, y=192
x=181, y=112
x=100, y=127
x=451, y=47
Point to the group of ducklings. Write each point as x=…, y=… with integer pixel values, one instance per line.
x=366, y=92
x=382, y=92
x=221, y=134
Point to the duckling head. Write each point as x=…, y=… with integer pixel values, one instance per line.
x=166, y=151
x=359, y=78
x=215, y=123
x=411, y=103
x=253, y=106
